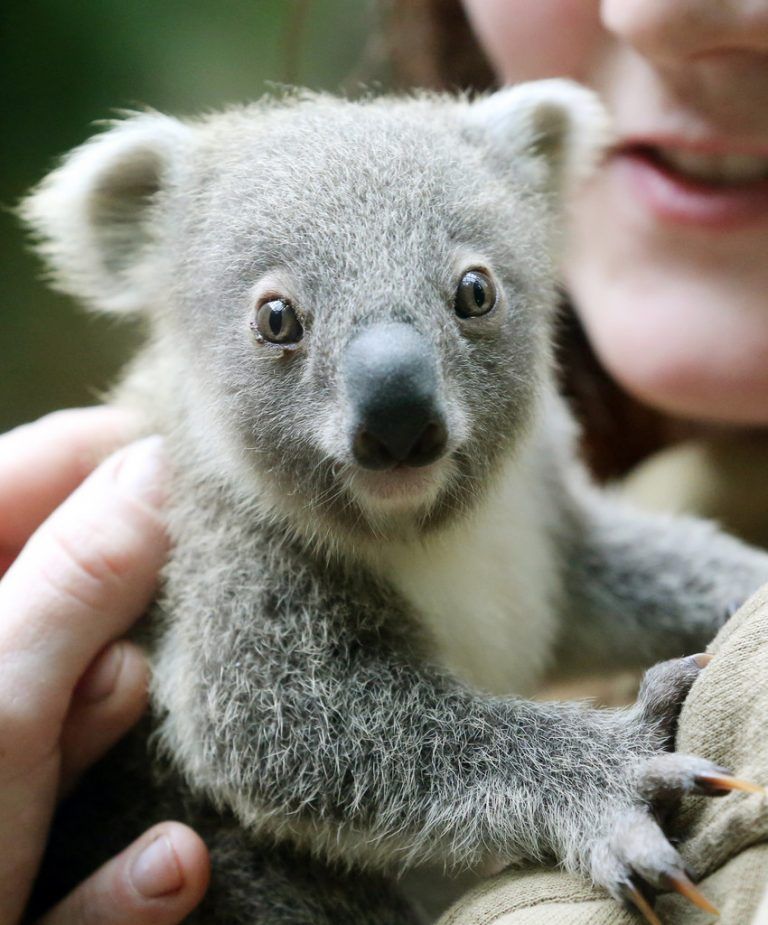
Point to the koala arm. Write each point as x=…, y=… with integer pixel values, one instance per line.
x=300, y=703
x=641, y=587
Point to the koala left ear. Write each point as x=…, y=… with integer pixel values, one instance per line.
x=552, y=133
x=96, y=219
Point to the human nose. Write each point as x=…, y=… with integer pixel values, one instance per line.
x=668, y=31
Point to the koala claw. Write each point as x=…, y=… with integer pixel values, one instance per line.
x=637, y=861
x=678, y=881
x=633, y=895
x=717, y=785
x=665, y=778
x=681, y=882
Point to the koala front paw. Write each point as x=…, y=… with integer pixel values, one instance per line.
x=631, y=856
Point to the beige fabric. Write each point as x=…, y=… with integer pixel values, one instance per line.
x=722, y=479
x=761, y=917
x=725, y=840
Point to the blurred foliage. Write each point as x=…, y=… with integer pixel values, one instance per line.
x=65, y=65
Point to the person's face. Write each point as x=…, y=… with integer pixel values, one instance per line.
x=668, y=263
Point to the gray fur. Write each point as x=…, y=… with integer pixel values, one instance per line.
x=301, y=683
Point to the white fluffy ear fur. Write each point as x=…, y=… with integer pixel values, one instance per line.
x=558, y=129
x=94, y=217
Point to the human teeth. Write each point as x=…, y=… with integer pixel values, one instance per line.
x=717, y=168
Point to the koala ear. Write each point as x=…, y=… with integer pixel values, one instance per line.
x=551, y=132
x=95, y=217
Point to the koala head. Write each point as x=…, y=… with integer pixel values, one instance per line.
x=358, y=293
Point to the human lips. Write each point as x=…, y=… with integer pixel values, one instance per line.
x=707, y=184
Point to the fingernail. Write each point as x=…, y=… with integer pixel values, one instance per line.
x=100, y=679
x=156, y=872
x=702, y=659
x=141, y=470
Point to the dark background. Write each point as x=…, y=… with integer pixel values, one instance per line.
x=64, y=65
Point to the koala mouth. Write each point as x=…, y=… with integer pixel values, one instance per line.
x=394, y=472
x=400, y=485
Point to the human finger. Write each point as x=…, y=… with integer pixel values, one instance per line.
x=156, y=881
x=107, y=701
x=80, y=582
x=43, y=462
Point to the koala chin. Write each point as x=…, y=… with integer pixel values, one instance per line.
x=383, y=539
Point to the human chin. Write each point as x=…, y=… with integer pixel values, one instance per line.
x=679, y=320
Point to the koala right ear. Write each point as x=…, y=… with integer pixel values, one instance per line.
x=552, y=132
x=95, y=217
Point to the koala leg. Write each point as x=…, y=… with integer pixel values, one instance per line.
x=275, y=885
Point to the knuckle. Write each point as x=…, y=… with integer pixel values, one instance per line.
x=28, y=735
x=85, y=563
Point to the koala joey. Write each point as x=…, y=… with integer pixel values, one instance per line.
x=382, y=537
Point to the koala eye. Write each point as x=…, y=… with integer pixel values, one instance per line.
x=475, y=295
x=277, y=323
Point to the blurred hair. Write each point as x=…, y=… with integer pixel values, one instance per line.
x=431, y=45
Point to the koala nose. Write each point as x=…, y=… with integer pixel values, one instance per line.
x=391, y=379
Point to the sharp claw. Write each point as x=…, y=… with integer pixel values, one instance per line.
x=685, y=887
x=719, y=784
x=640, y=902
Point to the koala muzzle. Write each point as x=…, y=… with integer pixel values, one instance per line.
x=393, y=385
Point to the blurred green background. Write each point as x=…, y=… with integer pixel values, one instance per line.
x=64, y=65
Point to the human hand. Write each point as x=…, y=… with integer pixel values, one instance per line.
x=73, y=582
